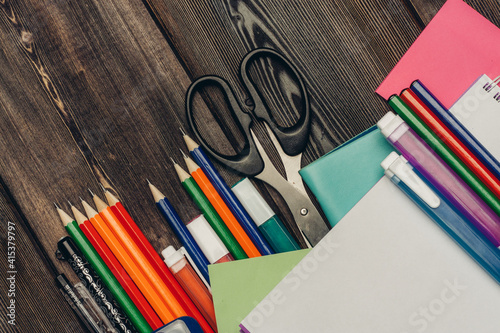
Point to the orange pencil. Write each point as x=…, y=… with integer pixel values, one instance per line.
x=154, y=259
x=144, y=285
x=138, y=257
x=221, y=208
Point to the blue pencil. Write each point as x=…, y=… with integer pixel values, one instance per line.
x=456, y=127
x=181, y=231
x=228, y=196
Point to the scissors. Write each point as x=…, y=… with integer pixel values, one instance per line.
x=290, y=142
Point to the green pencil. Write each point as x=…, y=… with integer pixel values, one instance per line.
x=409, y=116
x=103, y=271
x=210, y=213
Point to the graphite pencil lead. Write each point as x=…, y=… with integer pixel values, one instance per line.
x=148, y=181
x=57, y=206
x=182, y=131
x=81, y=199
x=102, y=187
x=91, y=193
x=173, y=161
x=70, y=204
x=183, y=154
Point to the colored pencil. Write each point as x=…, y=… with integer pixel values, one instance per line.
x=147, y=249
x=407, y=114
x=142, y=282
x=221, y=208
x=117, y=269
x=108, y=278
x=454, y=125
x=180, y=230
x=228, y=196
x=210, y=214
x=162, y=289
x=456, y=146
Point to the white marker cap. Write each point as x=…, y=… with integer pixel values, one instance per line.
x=389, y=123
x=398, y=166
x=171, y=256
x=252, y=201
x=208, y=241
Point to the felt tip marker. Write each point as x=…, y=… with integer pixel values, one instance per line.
x=190, y=282
x=440, y=174
x=264, y=217
x=439, y=209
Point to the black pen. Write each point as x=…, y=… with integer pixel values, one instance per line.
x=84, y=312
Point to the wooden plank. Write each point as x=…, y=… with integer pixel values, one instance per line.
x=25, y=278
x=88, y=92
x=343, y=50
x=426, y=9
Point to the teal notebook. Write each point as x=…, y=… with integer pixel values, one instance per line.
x=343, y=176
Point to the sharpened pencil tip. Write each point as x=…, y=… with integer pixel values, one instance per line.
x=182, y=131
x=102, y=187
x=183, y=154
x=70, y=204
x=148, y=181
x=57, y=206
x=173, y=161
x=81, y=199
x=91, y=193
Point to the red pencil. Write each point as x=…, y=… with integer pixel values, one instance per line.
x=437, y=126
x=117, y=270
x=154, y=258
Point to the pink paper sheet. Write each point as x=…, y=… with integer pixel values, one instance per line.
x=456, y=47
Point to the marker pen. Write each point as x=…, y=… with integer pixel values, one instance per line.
x=183, y=250
x=264, y=217
x=208, y=241
x=191, y=283
x=447, y=182
x=438, y=208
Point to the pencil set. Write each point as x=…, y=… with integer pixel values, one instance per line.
x=138, y=290
x=127, y=266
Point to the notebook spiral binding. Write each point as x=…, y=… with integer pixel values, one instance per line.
x=489, y=86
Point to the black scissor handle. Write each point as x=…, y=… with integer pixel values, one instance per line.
x=293, y=139
x=248, y=161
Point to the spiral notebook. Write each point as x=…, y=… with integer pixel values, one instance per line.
x=478, y=109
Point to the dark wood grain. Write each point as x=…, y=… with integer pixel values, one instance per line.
x=78, y=88
x=94, y=92
x=343, y=50
x=426, y=9
x=31, y=286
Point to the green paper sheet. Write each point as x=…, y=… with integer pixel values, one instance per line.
x=238, y=286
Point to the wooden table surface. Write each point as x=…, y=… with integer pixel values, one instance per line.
x=93, y=92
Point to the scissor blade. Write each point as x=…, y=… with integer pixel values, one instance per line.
x=306, y=216
x=291, y=163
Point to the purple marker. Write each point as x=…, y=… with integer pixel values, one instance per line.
x=439, y=174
